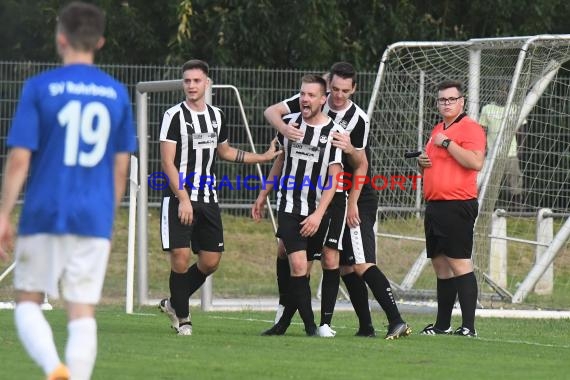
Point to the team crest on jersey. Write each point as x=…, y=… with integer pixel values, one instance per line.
x=214, y=125
x=323, y=139
x=343, y=123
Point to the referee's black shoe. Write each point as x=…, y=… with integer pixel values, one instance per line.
x=432, y=330
x=465, y=331
x=398, y=330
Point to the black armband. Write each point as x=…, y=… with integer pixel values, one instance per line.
x=240, y=156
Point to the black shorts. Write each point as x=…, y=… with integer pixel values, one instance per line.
x=359, y=244
x=334, y=221
x=204, y=234
x=449, y=226
x=289, y=231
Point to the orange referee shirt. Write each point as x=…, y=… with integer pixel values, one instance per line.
x=446, y=179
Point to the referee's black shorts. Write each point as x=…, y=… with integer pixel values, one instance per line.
x=449, y=226
x=204, y=234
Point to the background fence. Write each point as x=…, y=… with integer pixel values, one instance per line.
x=262, y=87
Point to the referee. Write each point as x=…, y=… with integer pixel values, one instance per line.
x=453, y=155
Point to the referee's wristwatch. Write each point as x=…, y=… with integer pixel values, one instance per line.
x=445, y=143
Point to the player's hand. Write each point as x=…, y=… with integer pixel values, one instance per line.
x=292, y=132
x=424, y=161
x=342, y=141
x=439, y=138
x=272, y=151
x=185, y=212
x=352, y=216
x=6, y=237
x=310, y=225
x=258, y=207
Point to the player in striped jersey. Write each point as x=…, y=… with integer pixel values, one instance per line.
x=358, y=257
x=310, y=168
x=192, y=134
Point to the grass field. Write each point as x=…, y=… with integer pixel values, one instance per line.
x=228, y=346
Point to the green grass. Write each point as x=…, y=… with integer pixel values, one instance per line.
x=228, y=346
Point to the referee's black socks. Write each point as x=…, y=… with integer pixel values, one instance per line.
x=446, y=295
x=467, y=294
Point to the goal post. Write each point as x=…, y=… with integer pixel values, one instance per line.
x=402, y=106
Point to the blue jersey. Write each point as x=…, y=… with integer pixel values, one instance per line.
x=74, y=119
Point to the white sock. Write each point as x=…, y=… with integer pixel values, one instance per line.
x=81, y=348
x=36, y=335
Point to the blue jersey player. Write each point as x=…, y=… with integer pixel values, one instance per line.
x=72, y=133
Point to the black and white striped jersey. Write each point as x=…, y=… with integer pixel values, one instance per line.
x=197, y=135
x=355, y=121
x=305, y=171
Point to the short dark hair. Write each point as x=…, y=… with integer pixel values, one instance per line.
x=83, y=24
x=312, y=78
x=449, y=83
x=344, y=70
x=196, y=64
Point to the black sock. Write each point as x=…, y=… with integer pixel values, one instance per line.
x=446, y=294
x=178, y=294
x=380, y=287
x=290, y=306
x=329, y=292
x=194, y=279
x=301, y=293
x=467, y=294
x=358, y=294
x=283, y=274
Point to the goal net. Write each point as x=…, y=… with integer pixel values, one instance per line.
x=522, y=84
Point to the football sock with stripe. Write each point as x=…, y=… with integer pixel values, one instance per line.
x=380, y=287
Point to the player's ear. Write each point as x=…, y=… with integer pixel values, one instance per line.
x=100, y=43
x=61, y=40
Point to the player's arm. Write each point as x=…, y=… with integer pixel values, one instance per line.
x=310, y=225
x=167, y=154
x=229, y=153
x=273, y=177
x=357, y=159
x=469, y=159
x=274, y=116
x=121, y=175
x=360, y=163
x=15, y=174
